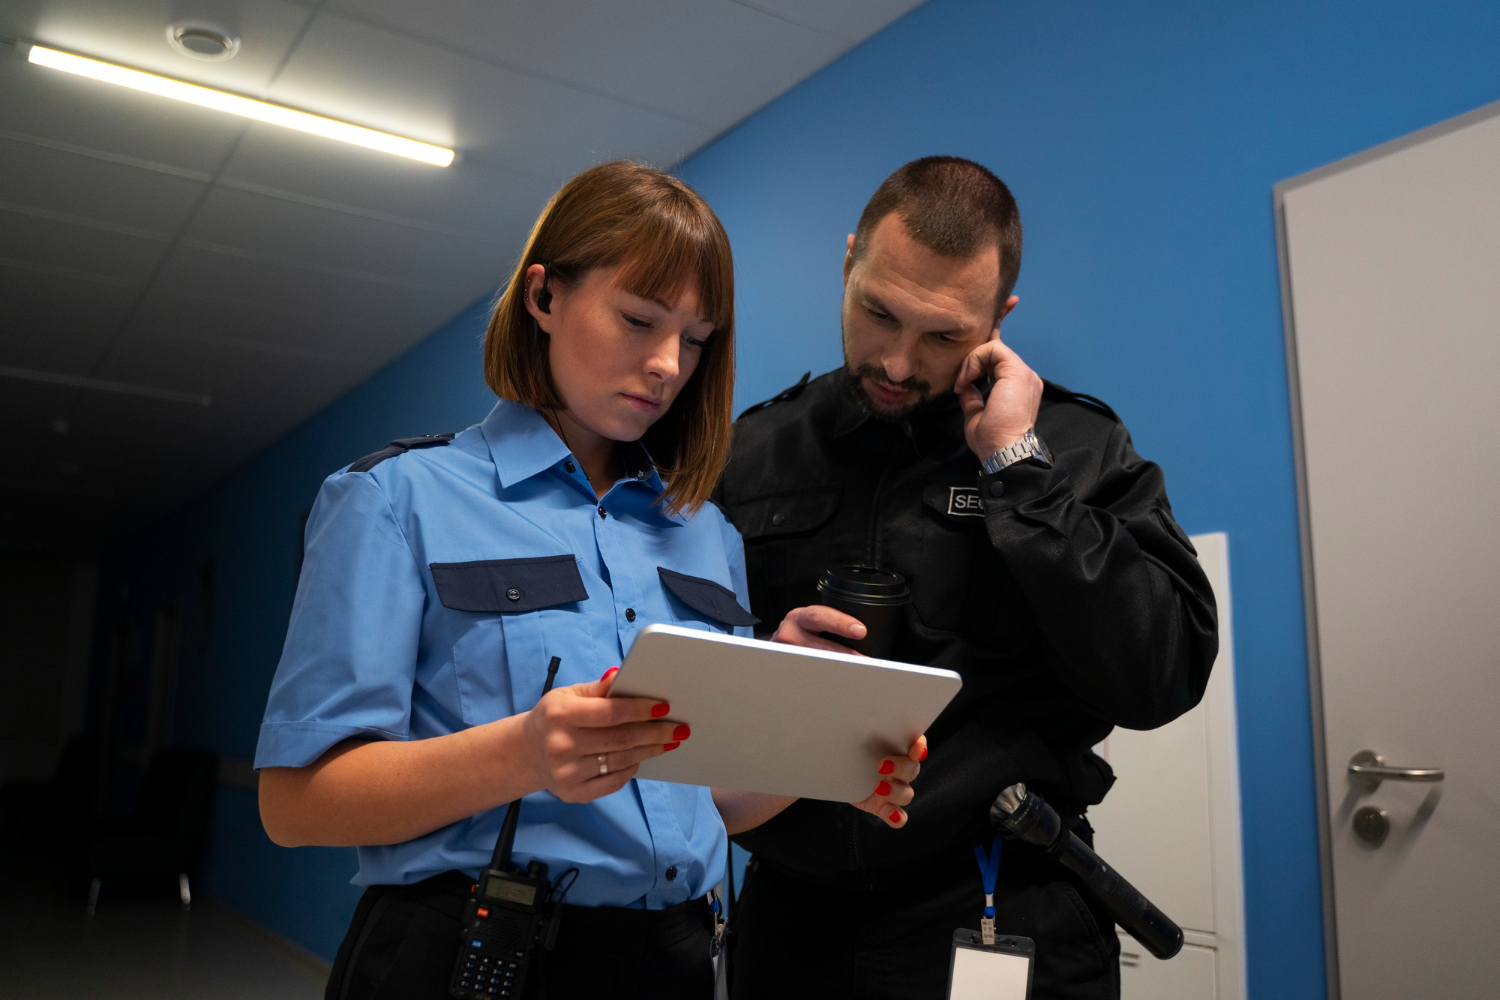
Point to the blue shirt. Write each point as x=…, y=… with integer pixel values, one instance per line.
x=426, y=605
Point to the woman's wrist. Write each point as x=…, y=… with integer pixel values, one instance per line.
x=512, y=757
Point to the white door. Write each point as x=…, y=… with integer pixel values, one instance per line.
x=1391, y=275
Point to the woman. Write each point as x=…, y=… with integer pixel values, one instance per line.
x=441, y=576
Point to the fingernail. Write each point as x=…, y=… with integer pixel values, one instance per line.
x=886, y=767
x=670, y=746
x=884, y=788
x=896, y=815
x=858, y=631
x=610, y=673
x=681, y=733
x=924, y=754
x=659, y=709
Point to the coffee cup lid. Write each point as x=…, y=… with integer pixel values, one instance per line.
x=865, y=583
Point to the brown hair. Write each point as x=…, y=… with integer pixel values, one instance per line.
x=953, y=207
x=664, y=238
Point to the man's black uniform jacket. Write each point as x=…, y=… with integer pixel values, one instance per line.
x=1067, y=598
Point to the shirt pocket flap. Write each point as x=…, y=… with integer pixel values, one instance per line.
x=786, y=513
x=509, y=586
x=706, y=597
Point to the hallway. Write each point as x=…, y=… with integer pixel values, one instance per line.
x=138, y=948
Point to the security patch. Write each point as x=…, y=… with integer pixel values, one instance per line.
x=963, y=501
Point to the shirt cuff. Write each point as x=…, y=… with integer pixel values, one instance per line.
x=1014, y=485
x=298, y=744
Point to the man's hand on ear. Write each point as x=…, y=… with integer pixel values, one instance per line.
x=1013, y=403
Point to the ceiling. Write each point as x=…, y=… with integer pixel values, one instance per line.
x=186, y=253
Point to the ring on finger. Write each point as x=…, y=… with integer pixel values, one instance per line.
x=603, y=759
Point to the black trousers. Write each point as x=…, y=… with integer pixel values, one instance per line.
x=403, y=940
x=890, y=937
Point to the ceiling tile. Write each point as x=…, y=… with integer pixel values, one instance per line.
x=497, y=116
x=853, y=20
x=93, y=193
x=46, y=103
x=469, y=197
x=134, y=33
x=708, y=62
x=225, y=372
x=48, y=246
x=250, y=324
x=54, y=323
x=315, y=237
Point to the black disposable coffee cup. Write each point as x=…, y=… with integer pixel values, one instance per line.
x=877, y=597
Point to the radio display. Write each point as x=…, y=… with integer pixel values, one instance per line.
x=510, y=892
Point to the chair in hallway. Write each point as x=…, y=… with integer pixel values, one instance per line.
x=37, y=814
x=165, y=836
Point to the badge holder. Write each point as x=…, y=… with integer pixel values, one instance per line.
x=999, y=971
x=984, y=965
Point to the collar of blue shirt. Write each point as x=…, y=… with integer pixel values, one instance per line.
x=522, y=444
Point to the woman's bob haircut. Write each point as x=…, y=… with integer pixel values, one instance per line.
x=664, y=239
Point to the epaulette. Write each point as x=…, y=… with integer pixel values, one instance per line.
x=1055, y=390
x=400, y=446
x=789, y=393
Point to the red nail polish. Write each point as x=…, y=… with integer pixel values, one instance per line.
x=681, y=733
x=895, y=815
x=884, y=788
x=670, y=746
x=610, y=673
x=924, y=754
x=659, y=709
x=886, y=767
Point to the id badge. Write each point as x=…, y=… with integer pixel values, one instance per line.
x=999, y=971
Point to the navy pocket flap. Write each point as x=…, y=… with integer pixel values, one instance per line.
x=509, y=586
x=706, y=597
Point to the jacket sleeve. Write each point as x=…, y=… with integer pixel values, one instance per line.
x=1125, y=612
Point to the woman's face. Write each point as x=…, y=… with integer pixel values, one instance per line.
x=618, y=360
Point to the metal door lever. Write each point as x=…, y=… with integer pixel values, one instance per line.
x=1368, y=767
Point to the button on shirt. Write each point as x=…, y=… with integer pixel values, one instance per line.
x=435, y=588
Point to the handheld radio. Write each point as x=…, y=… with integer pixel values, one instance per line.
x=510, y=914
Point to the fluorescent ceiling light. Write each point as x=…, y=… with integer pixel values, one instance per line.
x=245, y=107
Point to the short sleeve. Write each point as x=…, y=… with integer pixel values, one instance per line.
x=349, y=662
x=734, y=552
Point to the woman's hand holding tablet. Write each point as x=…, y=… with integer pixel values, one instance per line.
x=584, y=744
x=806, y=627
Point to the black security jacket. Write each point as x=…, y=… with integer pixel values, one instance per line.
x=1067, y=598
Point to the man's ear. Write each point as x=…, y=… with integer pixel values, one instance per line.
x=1010, y=304
x=848, y=257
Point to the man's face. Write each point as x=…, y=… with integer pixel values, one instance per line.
x=910, y=316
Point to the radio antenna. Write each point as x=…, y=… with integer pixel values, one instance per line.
x=500, y=860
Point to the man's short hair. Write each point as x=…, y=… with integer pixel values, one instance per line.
x=953, y=207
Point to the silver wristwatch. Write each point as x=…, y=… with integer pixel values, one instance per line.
x=1030, y=446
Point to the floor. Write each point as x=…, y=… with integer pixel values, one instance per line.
x=138, y=948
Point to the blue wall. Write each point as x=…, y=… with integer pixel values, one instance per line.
x=1142, y=141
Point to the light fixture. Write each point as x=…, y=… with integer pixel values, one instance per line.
x=245, y=107
x=202, y=41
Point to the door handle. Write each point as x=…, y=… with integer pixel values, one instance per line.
x=1369, y=768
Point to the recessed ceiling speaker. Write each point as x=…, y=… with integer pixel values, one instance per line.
x=203, y=42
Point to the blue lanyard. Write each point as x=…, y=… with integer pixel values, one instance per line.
x=989, y=870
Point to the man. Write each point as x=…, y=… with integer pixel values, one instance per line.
x=1045, y=567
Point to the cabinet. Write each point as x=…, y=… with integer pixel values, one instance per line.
x=1171, y=825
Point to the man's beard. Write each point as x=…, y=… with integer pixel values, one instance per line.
x=879, y=410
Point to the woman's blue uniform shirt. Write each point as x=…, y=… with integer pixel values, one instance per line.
x=383, y=644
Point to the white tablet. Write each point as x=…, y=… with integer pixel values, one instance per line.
x=768, y=717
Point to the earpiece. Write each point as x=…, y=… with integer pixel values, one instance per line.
x=544, y=297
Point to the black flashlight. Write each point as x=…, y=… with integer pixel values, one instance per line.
x=1024, y=815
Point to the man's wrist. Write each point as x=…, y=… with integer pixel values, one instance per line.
x=1027, y=447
